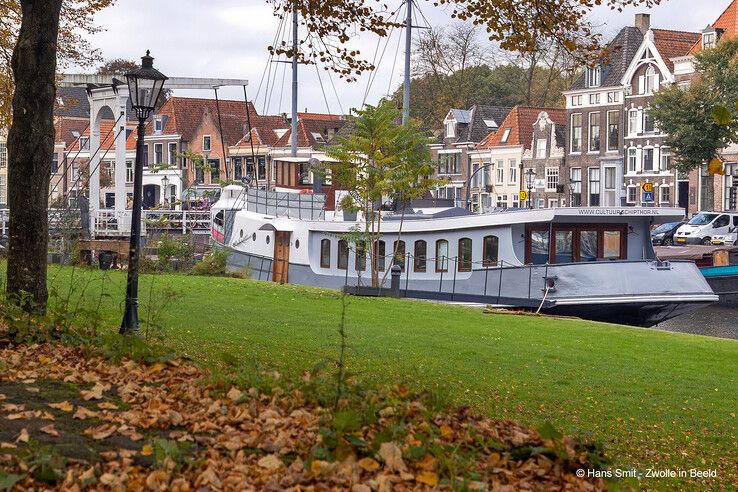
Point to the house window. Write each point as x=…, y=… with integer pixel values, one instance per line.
x=594, y=98
x=465, y=255
x=593, y=76
x=512, y=171
x=632, y=159
x=158, y=125
x=647, y=160
x=129, y=171
x=576, y=100
x=380, y=254
x=665, y=159
x=206, y=143
x=515, y=200
x=343, y=254
x=650, y=81
x=237, y=168
x=500, y=172
x=214, y=165
x=613, y=97
x=172, y=154
x=633, y=122
x=613, y=130
x=146, y=155
x=576, y=132
x=84, y=143
x=421, y=250
x=541, y=148
x=450, y=129
x=505, y=135
x=360, y=263
x=55, y=163
x=75, y=170
x=664, y=194
x=199, y=174
x=325, y=253
x=490, y=251
x=594, y=186
x=449, y=163
x=594, y=132
x=441, y=255
x=3, y=190
x=575, y=176
x=552, y=178
x=398, y=252
x=3, y=155
x=708, y=40
x=648, y=126
x=632, y=194
x=501, y=201
x=158, y=153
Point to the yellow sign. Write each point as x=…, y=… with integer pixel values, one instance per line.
x=647, y=187
x=523, y=195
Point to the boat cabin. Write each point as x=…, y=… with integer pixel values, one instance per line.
x=305, y=175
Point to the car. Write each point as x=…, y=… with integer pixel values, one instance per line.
x=663, y=235
x=704, y=226
x=729, y=239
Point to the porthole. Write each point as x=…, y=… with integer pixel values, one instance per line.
x=253, y=237
x=240, y=233
x=267, y=239
x=297, y=244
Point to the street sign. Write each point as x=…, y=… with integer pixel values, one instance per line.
x=523, y=195
x=648, y=196
x=647, y=188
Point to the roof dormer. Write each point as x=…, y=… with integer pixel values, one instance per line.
x=594, y=76
x=710, y=37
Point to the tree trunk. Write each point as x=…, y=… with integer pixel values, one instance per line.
x=30, y=150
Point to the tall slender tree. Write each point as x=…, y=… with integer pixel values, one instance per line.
x=30, y=146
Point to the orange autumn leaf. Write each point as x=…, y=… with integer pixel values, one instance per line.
x=64, y=406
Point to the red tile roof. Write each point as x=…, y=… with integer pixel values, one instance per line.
x=263, y=130
x=308, y=128
x=107, y=136
x=64, y=126
x=520, y=121
x=728, y=22
x=319, y=116
x=672, y=44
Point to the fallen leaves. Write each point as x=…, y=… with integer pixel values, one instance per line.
x=101, y=432
x=391, y=454
x=64, y=406
x=83, y=413
x=50, y=430
x=23, y=436
x=95, y=393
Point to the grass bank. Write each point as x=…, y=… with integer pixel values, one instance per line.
x=659, y=400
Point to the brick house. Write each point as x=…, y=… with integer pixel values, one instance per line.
x=251, y=156
x=463, y=129
x=594, y=112
x=703, y=191
x=501, y=153
x=546, y=157
x=647, y=157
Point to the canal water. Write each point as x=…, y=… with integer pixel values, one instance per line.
x=714, y=321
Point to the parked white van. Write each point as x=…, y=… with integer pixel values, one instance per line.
x=704, y=226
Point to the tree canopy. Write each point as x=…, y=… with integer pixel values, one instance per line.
x=700, y=120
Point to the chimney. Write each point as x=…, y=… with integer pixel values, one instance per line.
x=643, y=22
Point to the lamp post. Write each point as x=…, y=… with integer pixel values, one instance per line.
x=468, y=184
x=144, y=87
x=530, y=176
x=165, y=189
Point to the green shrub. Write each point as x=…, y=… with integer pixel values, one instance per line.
x=214, y=263
x=174, y=249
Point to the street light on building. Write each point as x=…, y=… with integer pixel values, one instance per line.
x=165, y=190
x=144, y=86
x=530, y=176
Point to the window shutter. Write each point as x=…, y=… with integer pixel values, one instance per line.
x=641, y=84
x=656, y=82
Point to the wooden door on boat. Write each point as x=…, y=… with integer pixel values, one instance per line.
x=280, y=269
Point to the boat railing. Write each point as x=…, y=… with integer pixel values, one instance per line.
x=300, y=206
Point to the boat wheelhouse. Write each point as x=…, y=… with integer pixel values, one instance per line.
x=596, y=263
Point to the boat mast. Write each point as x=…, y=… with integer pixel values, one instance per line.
x=408, y=46
x=293, y=136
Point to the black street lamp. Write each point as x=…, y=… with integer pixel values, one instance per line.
x=530, y=176
x=144, y=87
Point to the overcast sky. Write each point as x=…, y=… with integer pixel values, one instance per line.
x=229, y=38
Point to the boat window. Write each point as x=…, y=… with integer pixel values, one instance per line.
x=268, y=239
x=465, y=255
x=490, y=251
x=325, y=253
x=611, y=244
x=360, y=256
x=379, y=252
x=421, y=250
x=702, y=219
x=539, y=247
x=564, y=247
x=218, y=219
x=721, y=221
x=441, y=255
x=587, y=245
x=343, y=254
x=399, y=254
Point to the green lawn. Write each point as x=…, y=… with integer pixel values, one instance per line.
x=658, y=399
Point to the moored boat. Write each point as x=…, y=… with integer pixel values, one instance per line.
x=594, y=263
